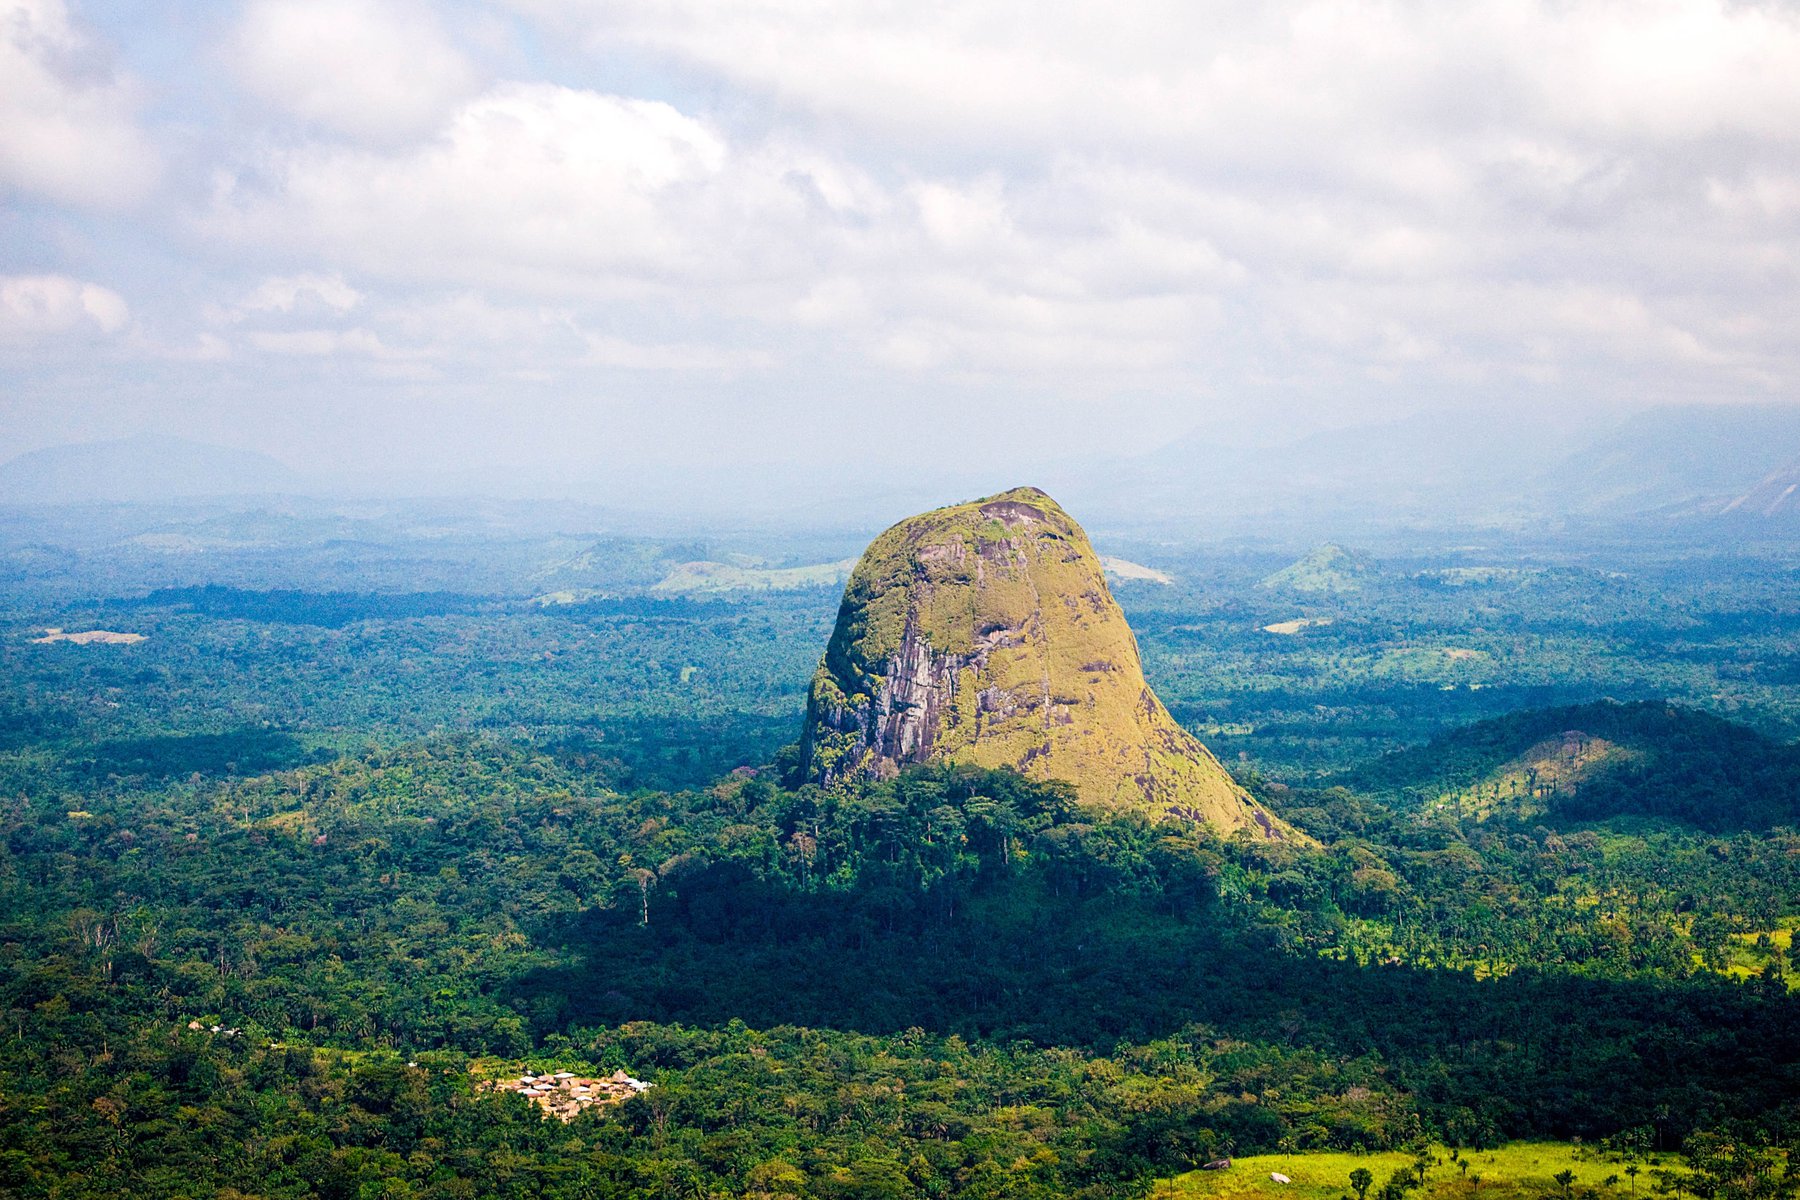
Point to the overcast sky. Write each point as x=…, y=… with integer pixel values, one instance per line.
x=558, y=236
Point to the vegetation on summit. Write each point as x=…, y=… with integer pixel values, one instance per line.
x=985, y=633
x=1326, y=568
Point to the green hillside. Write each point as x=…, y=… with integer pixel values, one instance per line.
x=700, y=578
x=1328, y=568
x=1595, y=761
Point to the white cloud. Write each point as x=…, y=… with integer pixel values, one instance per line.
x=1166, y=197
x=1689, y=69
x=324, y=320
x=320, y=343
x=606, y=351
x=369, y=69
x=528, y=185
x=961, y=218
x=1235, y=76
x=296, y=294
x=38, y=307
x=67, y=125
x=286, y=293
x=1436, y=176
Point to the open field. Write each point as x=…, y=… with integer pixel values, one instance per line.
x=1517, y=1169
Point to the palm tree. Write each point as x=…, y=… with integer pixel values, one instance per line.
x=1360, y=1179
x=645, y=881
x=1566, y=1180
x=1632, y=1170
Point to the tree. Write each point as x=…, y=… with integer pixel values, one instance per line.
x=1398, y=1184
x=1360, y=1180
x=1565, y=1179
x=645, y=880
x=1737, y=1165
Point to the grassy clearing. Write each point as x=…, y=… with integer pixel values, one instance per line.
x=1748, y=954
x=1521, y=1169
x=1294, y=626
x=1124, y=568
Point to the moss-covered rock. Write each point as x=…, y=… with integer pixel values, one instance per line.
x=984, y=633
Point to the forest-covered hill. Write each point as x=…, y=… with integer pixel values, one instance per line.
x=1601, y=760
x=396, y=844
x=462, y=899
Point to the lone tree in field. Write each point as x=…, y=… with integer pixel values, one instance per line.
x=1360, y=1180
x=1565, y=1179
x=1632, y=1170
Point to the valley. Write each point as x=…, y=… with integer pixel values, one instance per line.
x=1543, y=884
x=985, y=601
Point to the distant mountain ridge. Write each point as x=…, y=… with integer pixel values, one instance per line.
x=1666, y=458
x=151, y=467
x=1670, y=470
x=1775, y=496
x=1661, y=469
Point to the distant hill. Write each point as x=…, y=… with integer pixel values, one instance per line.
x=1437, y=470
x=1691, y=455
x=695, y=578
x=1432, y=468
x=1327, y=568
x=146, y=468
x=629, y=563
x=1594, y=761
x=1773, y=499
x=672, y=567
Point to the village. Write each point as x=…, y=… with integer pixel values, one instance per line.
x=565, y=1095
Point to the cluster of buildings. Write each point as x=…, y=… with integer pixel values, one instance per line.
x=564, y=1095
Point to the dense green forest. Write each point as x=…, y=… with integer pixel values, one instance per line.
x=285, y=883
x=1159, y=996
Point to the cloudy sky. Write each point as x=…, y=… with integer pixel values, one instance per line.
x=559, y=236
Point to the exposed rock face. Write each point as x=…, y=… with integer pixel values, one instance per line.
x=984, y=633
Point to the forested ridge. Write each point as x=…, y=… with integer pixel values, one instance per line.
x=1098, y=1000
x=396, y=845
x=1682, y=764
